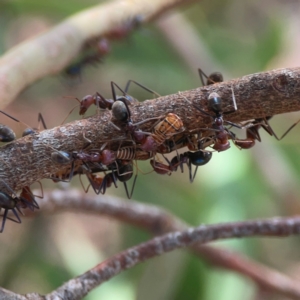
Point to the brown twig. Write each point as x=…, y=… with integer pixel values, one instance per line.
x=257, y=95
x=52, y=51
x=158, y=221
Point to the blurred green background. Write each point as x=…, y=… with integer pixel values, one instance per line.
x=234, y=37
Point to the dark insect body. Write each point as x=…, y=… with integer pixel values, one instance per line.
x=6, y=133
x=14, y=203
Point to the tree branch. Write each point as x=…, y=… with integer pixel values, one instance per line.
x=52, y=51
x=257, y=95
x=158, y=221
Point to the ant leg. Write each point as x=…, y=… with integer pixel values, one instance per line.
x=113, y=86
x=64, y=120
x=192, y=177
x=42, y=191
x=14, y=118
x=56, y=179
x=201, y=74
x=41, y=120
x=4, y=220
x=5, y=217
x=285, y=133
x=9, y=116
x=91, y=183
x=132, y=188
x=142, y=86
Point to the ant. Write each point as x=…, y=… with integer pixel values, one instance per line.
x=100, y=184
x=222, y=134
x=252, y=127
x=198, y=158
x=120, y=110
x=13, y=203
x=8, y=135
x=120, y=162
x=122, y=170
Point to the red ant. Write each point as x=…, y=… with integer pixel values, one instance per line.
x=120, y=110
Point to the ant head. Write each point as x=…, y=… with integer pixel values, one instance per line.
x=215, y=102
x=85, y=103
x=214, y=78
x=6, y=134
x=120, y=111
x=61, y=157
x=28, y=131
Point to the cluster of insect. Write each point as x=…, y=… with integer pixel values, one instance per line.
x=104, y=167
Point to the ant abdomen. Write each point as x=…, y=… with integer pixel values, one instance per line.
x=199, y=158
x=215, y=102
x=120, y=111
x=6, y=134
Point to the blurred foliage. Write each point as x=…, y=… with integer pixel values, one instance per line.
x=236, y=185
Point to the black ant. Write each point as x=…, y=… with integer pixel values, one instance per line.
x=198, y=158
x=121, y=112
x=8, y=202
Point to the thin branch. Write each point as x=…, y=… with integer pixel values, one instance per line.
x=81, y=285
x=257, y=95
x=52, y=51
x=158, y=221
